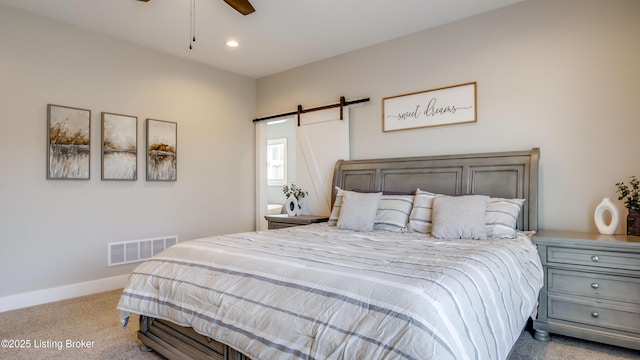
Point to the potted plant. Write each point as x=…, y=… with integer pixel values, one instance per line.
x=294, y=195
x=630, y=195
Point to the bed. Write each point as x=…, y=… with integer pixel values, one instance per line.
x=327, y=291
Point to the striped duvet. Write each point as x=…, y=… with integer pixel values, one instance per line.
x=317, y=292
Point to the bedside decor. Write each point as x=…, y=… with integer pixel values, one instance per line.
x=294, y=195
x=630, y=194
x=443, y=106
x=68, y=143
x=606, y=206
x=291, y=205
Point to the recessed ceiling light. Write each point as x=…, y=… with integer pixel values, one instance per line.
x=232, y=43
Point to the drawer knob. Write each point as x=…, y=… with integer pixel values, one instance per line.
x=595, y=285
x=595, y=258
x=595, y=314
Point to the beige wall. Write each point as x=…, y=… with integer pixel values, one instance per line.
x=562, y=75
x=55, y=233
x=558, y=74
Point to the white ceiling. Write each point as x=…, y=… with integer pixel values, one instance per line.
x=280, y=35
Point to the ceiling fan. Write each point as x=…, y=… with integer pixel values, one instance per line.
x=242, y=6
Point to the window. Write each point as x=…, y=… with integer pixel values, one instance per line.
x=277, y=162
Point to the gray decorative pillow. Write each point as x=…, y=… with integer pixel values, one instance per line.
x=420, y=217
x=501, y=217
x=459, y=217
x=358, y=211
x=335, y=211
x=393, y=212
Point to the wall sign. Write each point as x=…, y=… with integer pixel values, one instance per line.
x=443, y=106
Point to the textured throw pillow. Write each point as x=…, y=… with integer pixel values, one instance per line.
x=459, y=217
x=358, y=211
x=335, y=211
x=393, y=212
x=501, y=217
x=420, y=217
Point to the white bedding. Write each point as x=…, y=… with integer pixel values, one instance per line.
x=317, y=292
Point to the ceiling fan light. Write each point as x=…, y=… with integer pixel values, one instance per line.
x=232, y=43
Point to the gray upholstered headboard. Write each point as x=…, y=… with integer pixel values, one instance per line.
x=511, y=174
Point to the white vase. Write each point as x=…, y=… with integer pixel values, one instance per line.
x=299, y=209
x=606, y=206
x=292, y=206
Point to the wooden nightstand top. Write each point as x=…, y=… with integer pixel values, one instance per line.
x=294, y=220
x=551, y=235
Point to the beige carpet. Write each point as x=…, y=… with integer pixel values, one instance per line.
x=88, y=328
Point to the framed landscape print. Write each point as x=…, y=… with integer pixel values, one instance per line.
x=162, y=162
x=68, y=143
x=119, y=147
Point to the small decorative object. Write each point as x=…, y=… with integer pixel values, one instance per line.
x=294, y=195
x=162, y=139
x=119, y=147
x=292, y=205
x=630, y=194
x=606, y=206
x=68, y=148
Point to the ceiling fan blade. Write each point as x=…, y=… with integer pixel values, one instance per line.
x=242, y=6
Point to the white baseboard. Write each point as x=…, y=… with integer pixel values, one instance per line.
x=38, y=297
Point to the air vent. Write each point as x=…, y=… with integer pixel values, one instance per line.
x=127, y=252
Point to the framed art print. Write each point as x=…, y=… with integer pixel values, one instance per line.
x=443, y=106
x=68, y=143
x=119, y=147
x=162, y=162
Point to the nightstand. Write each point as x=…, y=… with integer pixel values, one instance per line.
x=283, y=220
x=591, y=287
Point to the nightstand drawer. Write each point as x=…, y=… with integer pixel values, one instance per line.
x=280, y=225
x=601, y=286
x=600, y=258
x=623, y=318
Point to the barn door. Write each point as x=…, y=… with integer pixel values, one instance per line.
x=322, y=139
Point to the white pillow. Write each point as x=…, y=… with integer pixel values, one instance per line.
x=393, y=212
x=358, y=211
x=420, y=217
x=335, y=211
x=459, y=217
x=501, y=217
